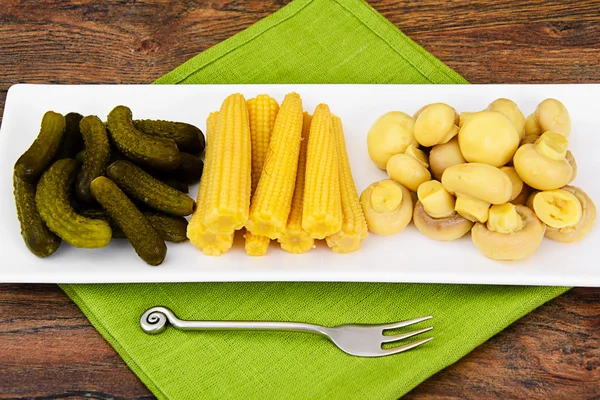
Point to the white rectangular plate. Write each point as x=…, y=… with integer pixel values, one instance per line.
x=406, y=257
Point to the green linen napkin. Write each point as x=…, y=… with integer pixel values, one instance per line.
x=308, y=41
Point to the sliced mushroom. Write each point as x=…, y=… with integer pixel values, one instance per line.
x=445, y=229
x=576, y=232
x=515, y=245
x=387, y=206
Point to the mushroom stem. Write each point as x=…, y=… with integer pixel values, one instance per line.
x=503, y=218
x=472, y=209
x=436, y=200
x=552, y=145
x=386, y=197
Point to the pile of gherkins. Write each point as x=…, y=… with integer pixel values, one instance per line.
x=86, y=182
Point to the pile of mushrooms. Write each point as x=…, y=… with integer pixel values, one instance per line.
x=503, y=177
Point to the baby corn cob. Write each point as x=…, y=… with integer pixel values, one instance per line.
x=322, y=208
x=273, y=197
x=295, y=239
x=212, y=244
x=228, y=194
x=262, y=111
x=256, y=245
x=354, y=225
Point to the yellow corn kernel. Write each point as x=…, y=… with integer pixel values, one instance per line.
x=322, y=208
x=212, y=244
x=294, y=239
x=354, y=225
x=262, y=111
x=256, y=245
x=273, y=197
x=228, y=194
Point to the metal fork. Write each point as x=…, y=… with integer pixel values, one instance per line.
x=354, y=339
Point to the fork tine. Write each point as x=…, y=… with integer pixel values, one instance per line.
x=406, y=347
x=393, y=338
x=402, y=324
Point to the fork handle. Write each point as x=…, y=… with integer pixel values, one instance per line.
x=155, y=321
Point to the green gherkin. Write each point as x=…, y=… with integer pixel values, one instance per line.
x=53, y=202
x=72, y=142
x=146, y=150
x=146, y=242
x=95, y=158
x=38, y=238
x=144, y=187
x=187, y=136
x=169, y=228
x=43, y=150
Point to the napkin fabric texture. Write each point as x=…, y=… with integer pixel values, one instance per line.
x=308, y=41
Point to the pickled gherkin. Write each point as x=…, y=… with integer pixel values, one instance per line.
x=143, y=237
x=43, y=150
x=38, y=238
x=98, y=213
x=53, y=202
x=170, y=228
x=188, y=137
x=144, y=187
x=95, y=158
x=174, y=183
x=146, y=150
x=72, y=142
x=190, y=169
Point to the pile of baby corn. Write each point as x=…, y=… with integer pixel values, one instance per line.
x=281, y=174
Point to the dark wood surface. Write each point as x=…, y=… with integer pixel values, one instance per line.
x=48, y=350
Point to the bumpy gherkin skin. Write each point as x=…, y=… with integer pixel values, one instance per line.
x=72, y=142
x=144, y=187
x=150, y=151
x=53, y=203
x=187, y=136
x=38, y=238
x=43, y=150
x=98, y=213
x=171, y=229
x=143, y=237
x=95, y=158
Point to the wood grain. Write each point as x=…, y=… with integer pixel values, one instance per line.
x=48, y=350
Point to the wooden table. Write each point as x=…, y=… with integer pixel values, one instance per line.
x=48, y=349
